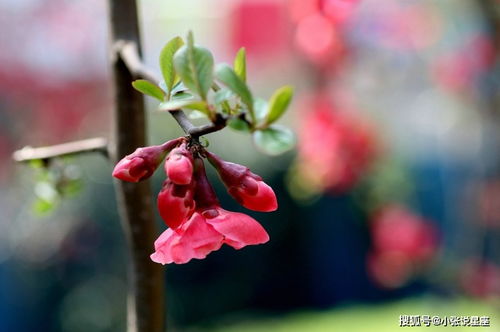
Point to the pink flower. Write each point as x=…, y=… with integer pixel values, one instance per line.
x=141, y=164
x=205, y=232
x=179, y=165
x=246, y=187
x=208, y=229
x=175, y=203
x=195, y=239
x=238, y=229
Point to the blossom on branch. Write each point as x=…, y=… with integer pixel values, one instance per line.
x=141, y=164
x=244, y=186
x=207, y=229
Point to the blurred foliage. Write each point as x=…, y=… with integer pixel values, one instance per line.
x=54, y=180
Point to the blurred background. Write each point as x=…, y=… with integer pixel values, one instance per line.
x=389, y=205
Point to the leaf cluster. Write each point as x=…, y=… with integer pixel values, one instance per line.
x=192, y=82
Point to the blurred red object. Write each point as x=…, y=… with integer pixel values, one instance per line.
x=319, y=24
x=402, y=243
x=319, y=40
x=480, y=278
x=335, y=148
x=458, y=70
x=261, y=27
x=339, y=11
x=489, y=203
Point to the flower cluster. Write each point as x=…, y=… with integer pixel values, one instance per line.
x=402, y=243
x=189, y=206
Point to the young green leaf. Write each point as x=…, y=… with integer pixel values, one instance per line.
x=240, y=64
x=195, y=67
x=195, y=115
x=182, y=95
x=274, y=140
x=223, y=95
x=149, y=89
x=173, y=105
x=279, y=103
x=238, y=124
x=226, y=75
x=166, y=61
x=178, y=87
x=260, y=108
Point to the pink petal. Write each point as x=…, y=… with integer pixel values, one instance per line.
x=238, y=229
x=195, y=239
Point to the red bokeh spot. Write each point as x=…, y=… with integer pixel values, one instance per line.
x=261, y=27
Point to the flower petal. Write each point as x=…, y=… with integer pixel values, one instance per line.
x=238, y=229
x=195, y=239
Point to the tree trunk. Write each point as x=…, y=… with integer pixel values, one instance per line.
x=146, y=285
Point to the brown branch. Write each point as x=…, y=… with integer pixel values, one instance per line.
x=29, y=153
x=130, y=55
x=216, y=125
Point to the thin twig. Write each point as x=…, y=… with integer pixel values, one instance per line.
x=183, y=121
x=130, y=55
x=28, y=153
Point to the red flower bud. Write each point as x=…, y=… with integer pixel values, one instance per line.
x=238, y=229
x=179, y=165
x=175, y=203
x=205, y=195
x=246, y=187
x=141, y=164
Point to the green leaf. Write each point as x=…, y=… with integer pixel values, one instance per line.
x=166, y=61
x=195, y=67
x=274, y=140
x=279, y=103
x=42, y=207
x=240, y=64
x=173, y=105
x=238, y=124
x=36, y=163
x=226, y=75
x=182, y=95
x=149, y=89
x=223, y=95
x=195, y=115
x=260, y=107
x=178, y=88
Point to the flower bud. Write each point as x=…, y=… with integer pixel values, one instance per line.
x=179, y=165
x=246, y=187
x=205, y=195
x=175, y=203
x=142, y=163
